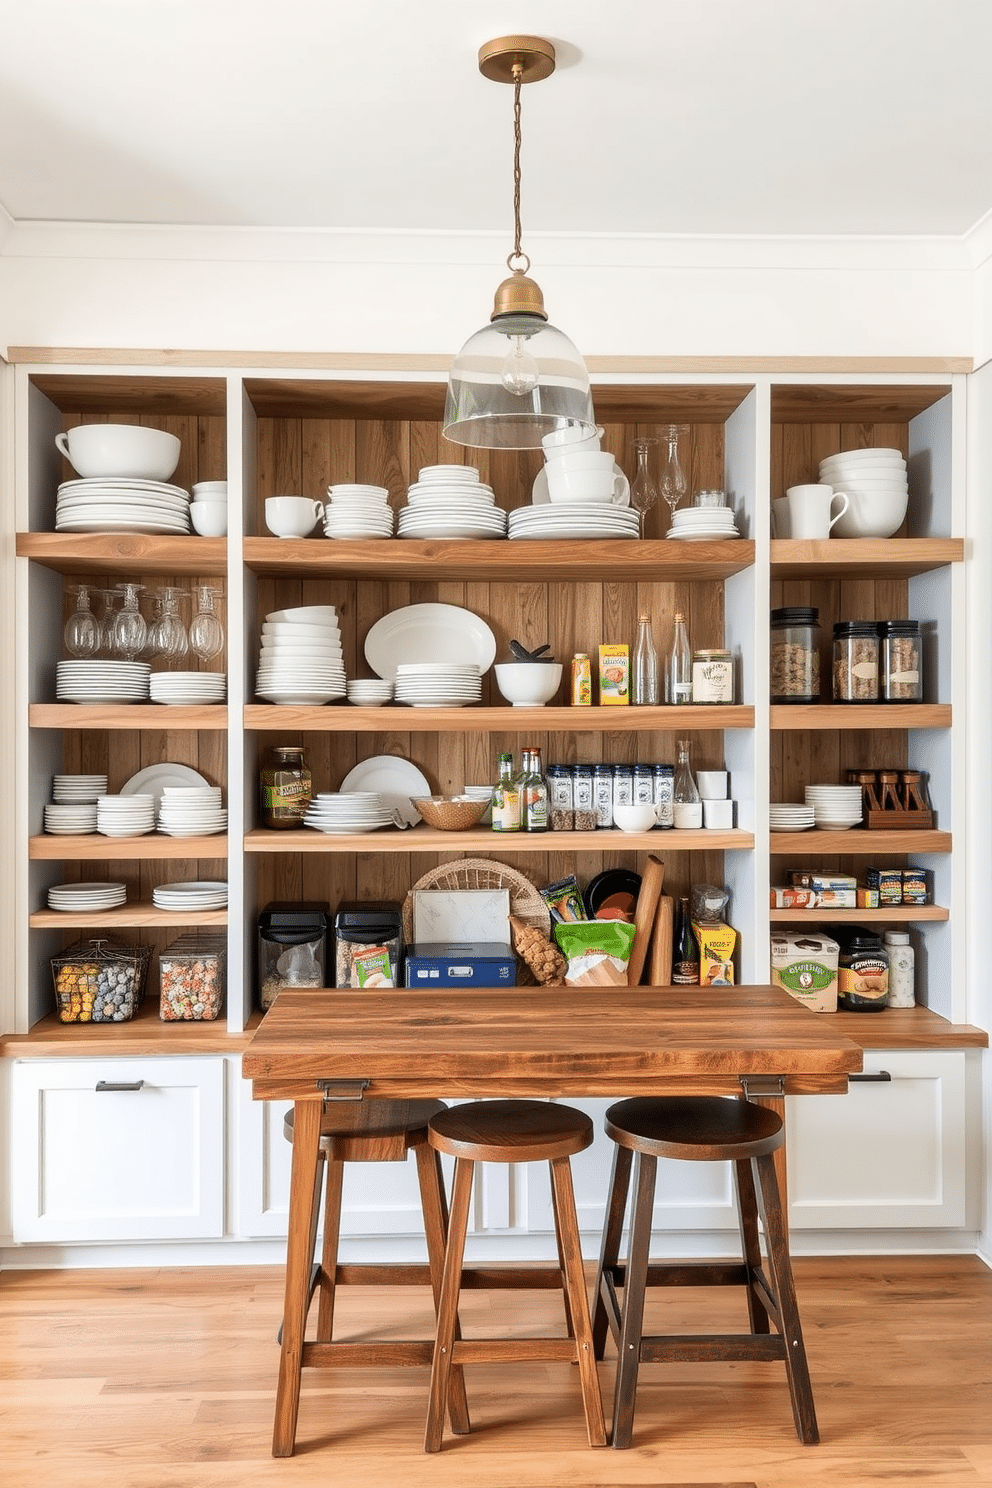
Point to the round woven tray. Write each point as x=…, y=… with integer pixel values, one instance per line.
x=483, y=873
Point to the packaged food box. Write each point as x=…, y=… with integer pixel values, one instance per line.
x=716, y=941
x=810, y=878
x=794, y=898
x=806, y=966
x=867, y=898
x=888, y=882
x=99, y=981
x=917, y=886
x=193, y=978
x=614, y=674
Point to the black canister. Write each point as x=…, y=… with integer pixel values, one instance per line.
x=368, y=943
x=292, y=947
x=863, y=974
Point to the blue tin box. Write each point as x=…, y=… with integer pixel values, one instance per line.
x=434, y=964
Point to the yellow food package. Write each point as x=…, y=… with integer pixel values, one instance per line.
x=716, y=953
x=614, y=673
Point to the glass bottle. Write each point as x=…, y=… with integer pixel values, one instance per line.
x=680, y=664
x=506, y=798
x=285, y=787
x=687, y=806
x=685, y=949
x=645, y=680
x=533, y=790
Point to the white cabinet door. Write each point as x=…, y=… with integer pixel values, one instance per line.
x=889, y=1154
x=117, y=1149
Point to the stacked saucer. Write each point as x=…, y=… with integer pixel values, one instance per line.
x=348, y=812
x=125, y=816
x=78, y=788
x=436, y=684
x=584, y=519
x=102, y=504
x=80, y=897
x=703, y=523
x=370, y=692
x=196, y=894
x=193, y=688
x=70, y=820
x=451, y=501
x=835, y=807
x=301, y=659
x=358, y=511
x=786, y=816
x=191, y=811
x=102, y=681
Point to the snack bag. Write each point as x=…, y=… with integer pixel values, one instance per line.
x=597, y=951
x=372, y=968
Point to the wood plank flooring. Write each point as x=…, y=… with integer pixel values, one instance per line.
x=165, y=1379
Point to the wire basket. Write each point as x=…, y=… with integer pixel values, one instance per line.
x=99, y=981
x=483, y=873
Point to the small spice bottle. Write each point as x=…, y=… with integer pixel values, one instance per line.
x=901, y=662
x=795, y=655
x=855, y=661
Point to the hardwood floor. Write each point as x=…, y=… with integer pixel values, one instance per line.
x=165, y=1379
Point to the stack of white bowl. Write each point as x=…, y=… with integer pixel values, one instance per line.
x=176, y=688
x=835, y=807
x=370, y=692
x=191, y=811
x=355, y=511
x=349, y=812
x=788, y=816
x=875, y=482
x=301, y=660
x=451, y=501
x=436, y=684
x=125, y=816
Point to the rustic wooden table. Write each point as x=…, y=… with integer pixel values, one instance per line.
x=538, y=1042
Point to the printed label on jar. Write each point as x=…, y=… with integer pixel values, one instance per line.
x=713, y=680
x=866, y=981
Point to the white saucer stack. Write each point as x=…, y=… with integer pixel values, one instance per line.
x=191, y=811
x=70, y=820
x=835, y=807
x=435, y=684
x=357, y=511
x=83, y=897
x=192, y=688
x=102, y=681
x=787, y=816
x=584, y=519
x=450, y=501
x=125, y=816
x=349, y=812
x=703, y=524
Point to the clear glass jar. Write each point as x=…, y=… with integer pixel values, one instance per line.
x=712, y=677
x=902, y=661
x=795, y=655
x=286, y=787
x=855, y=662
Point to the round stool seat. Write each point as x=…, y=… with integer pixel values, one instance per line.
x=380, y=1118
x=695, y=1128
x=511, y=1131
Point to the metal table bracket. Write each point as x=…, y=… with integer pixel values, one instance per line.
x=343, y=1090
x=757, y=1085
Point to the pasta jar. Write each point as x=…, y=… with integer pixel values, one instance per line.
x=285, y=787
x=902, y=661
x=863, y=975
x=712, y=677
x=855, y=661
x=795, y=655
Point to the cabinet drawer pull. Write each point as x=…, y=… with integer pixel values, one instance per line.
x=119, y=1084
x=881, y=1078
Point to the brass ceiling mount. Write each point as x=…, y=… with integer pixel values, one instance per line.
x=506, y=58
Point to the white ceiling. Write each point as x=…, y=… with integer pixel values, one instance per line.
x=729, y=117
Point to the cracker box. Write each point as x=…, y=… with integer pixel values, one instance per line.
x=614, y=674
x=806, y=966
x=716, y=952
x=794, y=898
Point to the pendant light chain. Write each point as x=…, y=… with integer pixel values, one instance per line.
x=513, y=262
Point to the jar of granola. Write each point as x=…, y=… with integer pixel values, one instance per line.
x=855, y=661
x=795, y=655
x=902, y=661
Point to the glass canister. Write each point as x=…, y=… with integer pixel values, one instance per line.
x=712, y=677
x=855, y=661
x=901, y=661
x=795, y=655
x=286, y=787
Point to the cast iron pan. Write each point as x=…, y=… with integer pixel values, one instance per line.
x=612, y=895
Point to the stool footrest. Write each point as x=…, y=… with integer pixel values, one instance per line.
x=382, y=1273
x=677, y=1348
x=687, y=1274
x=490, y=1350
x=359, y=1354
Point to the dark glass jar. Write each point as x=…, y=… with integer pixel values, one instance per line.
x=901, y=661
x=855, y=661
x=863, y=975
x=795, y=655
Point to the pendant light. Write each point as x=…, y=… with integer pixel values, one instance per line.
x=518, y=378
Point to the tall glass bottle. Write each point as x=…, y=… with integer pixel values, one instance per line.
x=506, y=798
x=679, y=677
x=533, y=790
x=644, y=688
x=685, y=949
x=687, y=806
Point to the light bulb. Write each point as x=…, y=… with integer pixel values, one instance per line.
x=519, y=373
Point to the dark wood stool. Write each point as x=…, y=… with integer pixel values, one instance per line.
x=698, y=1129
x=513, y=1131
x=377, y=1131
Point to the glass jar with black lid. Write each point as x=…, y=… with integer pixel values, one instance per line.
x=795, y=654
x=901, y=661
x=855, y=662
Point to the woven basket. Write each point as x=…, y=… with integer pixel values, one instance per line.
x=451, y=813
x=482, y=873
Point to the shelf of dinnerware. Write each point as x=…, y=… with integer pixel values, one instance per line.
x=138, y=916
x=348, y=718
x=123, y=552
x=130, y=716
x=422, y=839
x=94, y=848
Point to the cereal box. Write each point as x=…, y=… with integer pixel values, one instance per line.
x=614, y=673
x=716, y=952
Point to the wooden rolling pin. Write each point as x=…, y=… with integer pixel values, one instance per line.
x=661, y=943
x=652, y=880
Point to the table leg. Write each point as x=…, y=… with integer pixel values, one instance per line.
x=306, y=1142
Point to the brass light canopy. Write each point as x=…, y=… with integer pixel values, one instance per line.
x=518, y=378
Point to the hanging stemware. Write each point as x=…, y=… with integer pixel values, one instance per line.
x=82, y=635
x=129, y=631
x=167, y=635
x=206, y=633
x=644, y=487
x=673, y=479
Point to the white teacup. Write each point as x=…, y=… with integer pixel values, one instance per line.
x=209, y=518
x=574, y=437
x=811, y=510
x=602, y=486
x=292, y=516
x=637, y=816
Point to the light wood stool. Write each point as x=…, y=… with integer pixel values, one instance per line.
x=698, y=1129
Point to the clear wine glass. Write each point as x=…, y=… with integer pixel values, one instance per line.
x=673, y=479
x=643, y=488
x=129, y=631
x=167, y=635
x=110, y=598
x=206, y=633
x=82, y=635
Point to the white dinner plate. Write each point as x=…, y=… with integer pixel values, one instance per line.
x=154, y=778
x=396, y=779
x=440, y=632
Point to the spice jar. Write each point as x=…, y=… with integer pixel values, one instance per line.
x=285, y=787
x=712, y=677
x=795, y=655
x=855, y=661
x=902, y=661
x=902, y=969
x=863, y=975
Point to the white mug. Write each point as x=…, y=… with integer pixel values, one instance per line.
x=573, y=436
x=604, y=486
x=811, y=510
x=292, y=516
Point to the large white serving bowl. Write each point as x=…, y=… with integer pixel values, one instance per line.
x=837, y=473
x=278, y=631
x=528, y=684
x=116, y=451
x=871, y=514
x=881, y=484
x=863, y=456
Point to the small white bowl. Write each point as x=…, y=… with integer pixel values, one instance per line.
x=209, y=518
x=638, y=817
x=528, y=684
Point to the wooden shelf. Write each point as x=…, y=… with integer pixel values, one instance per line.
x=891, y=557
x=128, y=716
x=130, y=917
x=835, y=403
x=125, y=552
x=500, y=561
x=346, y=718
x=808, y=717
x=857, y=843
x=145, y=1033
x=422, y=839
x=907, y=1028
x=94, y=847
x=897, y=914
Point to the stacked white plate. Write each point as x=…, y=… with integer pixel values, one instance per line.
x=87, y=896
x=78, y=788
x=187, y=687
x=102, y=681
x=835, y=807
x=450, y=501
x=351, y=812
x=125, y=816
x=68, y=821
x=370, y=692
x=786, y=816
x=358, y=511
x=433, y=684
x=300, y=660
x=876, y=484
x=564, y=519
x=197, y=894
x=191, y=811
x=100, y=504
x=703, y=524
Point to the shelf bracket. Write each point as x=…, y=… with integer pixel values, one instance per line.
x=758, y=1085
x=342, y=1090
